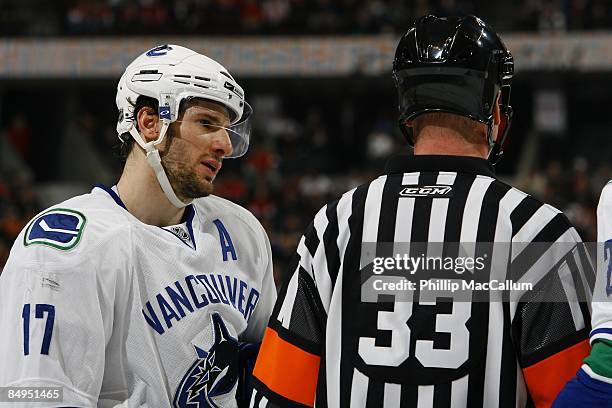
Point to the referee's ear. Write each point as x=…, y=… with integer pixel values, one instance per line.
x=496, y=111
x=496, y=117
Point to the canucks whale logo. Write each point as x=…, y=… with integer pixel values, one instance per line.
x=213, y=374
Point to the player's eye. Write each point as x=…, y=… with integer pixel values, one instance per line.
x=210, y=123
x=207, y=123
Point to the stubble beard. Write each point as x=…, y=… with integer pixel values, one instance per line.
x=181, y=175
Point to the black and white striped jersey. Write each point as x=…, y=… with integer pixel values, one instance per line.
x=327, y=345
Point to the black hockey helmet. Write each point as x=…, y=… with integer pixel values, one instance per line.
x=455, y=65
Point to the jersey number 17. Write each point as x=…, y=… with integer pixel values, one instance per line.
x=40, y=310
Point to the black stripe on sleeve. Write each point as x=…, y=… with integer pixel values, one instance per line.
x=523, y=212
x=580, y=289
x=330, y=241
x=554, y=229
x=545, y=238
x=587, y=267
x=311, y=240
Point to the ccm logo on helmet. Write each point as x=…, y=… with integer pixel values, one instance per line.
x=233, y=89
x=440, y=191
x=159, y=51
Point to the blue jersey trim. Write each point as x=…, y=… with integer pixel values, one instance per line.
x=174, y=235
x=594, y=383
x=188, y=216
x=190, y=212
x=584, y=391
x=601, y=331
x=112, y=193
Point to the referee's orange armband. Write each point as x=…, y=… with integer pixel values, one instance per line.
x=287, y=370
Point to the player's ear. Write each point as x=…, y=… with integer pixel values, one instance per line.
x=148, y=123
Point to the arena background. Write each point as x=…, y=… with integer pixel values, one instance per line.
x=318, y=74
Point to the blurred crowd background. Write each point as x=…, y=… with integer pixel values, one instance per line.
x=264, y=17
x=313, y=138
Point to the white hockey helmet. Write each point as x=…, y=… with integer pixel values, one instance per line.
x=171, y=74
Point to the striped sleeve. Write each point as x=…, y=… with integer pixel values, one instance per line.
x=550, y=323
x=288, y=368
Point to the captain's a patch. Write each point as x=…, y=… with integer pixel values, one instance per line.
x=58, y=228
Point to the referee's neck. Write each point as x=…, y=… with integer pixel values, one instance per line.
x=448, y=144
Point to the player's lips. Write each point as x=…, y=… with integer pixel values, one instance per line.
x=213, y=165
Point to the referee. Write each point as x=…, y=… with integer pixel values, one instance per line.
x=330, y=343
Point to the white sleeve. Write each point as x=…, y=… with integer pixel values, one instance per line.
x=602, y=296
x=259, y=319
x=58, y=308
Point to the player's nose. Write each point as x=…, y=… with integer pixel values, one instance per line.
x=222, y=143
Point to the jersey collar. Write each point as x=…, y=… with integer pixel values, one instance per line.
x=459, y=164
x=188, y=217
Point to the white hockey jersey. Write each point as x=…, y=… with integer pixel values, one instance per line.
x=602, y=296
x=118, y=312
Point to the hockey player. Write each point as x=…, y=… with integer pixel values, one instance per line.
x=592, y=386
x=142, y=294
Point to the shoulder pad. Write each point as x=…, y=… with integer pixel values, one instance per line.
x=59, y=228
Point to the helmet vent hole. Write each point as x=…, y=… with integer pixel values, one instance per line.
x=182, y=82
x=200, y=86
x=182, y=76
x=226, y=74
x=202, y=78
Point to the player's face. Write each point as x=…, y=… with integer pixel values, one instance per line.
x=195, y=149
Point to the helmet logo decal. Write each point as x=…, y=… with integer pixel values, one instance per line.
x=232, y=88
x=164, y=112
x=159, y=51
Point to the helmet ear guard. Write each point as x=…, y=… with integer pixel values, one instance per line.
x=454, y=65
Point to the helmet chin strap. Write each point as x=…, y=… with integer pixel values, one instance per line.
x=154, y=160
